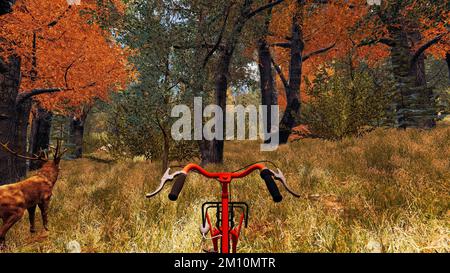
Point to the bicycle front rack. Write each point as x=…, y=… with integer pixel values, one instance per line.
x=218, y=206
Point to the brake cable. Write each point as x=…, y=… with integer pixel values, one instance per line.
x=262, y=161
x=245, y=167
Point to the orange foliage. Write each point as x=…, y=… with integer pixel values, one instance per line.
x=72, y=52
x=431, y=29
x=344, y=24
x=323, y=25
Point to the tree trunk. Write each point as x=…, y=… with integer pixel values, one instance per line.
x=447, y=58
x=216, y=147
x=291, y=116
x=165, y=157
x=23, y=110
x=9, y=87
x=268, y=91
x=13, y=116
x=6, y=6
x=221, y=86
x=205, y=151
x=414, y=100
x=40, y=134
x=77, y=133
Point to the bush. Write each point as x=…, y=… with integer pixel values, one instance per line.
x=341, y=104
x=133, y=129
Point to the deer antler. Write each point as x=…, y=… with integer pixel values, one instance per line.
x=60, y=154
x=57, y=153
x=7, y=149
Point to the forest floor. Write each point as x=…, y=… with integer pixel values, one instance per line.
x=385, y=192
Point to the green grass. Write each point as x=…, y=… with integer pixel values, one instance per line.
x=388, y=189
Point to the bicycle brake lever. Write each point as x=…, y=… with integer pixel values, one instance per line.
x=166, y=178
x=280, y=177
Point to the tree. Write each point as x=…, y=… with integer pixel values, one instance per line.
x=207, y=49
x=141, y=121
x=409, y=29
x=244, y=14
x=447, y=59
x=316, y=31
x=266, y=75
x=76, y=133
x=40, y=133
x=65, y=60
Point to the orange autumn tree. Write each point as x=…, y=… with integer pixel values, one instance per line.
x=63, y=49
x=67, y=59
x=304, y=34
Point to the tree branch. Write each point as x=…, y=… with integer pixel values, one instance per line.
x=204, y=45
x=385, y=41
x=219, y=39
x=280, y=73
x=317, y=52
x=173, y=86
x=426, y=46
x=92, y=84
x=57, y=19
x=26, y=95
x=263, y=8
x=67, y=72
x=283, y=45
x=35, y=92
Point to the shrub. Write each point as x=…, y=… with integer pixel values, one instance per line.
x=135, y=128
x=341, y=104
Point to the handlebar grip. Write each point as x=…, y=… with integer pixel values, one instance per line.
x=271, y=186
x=177, y=187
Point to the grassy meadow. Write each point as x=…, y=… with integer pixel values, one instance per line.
x=385, y=192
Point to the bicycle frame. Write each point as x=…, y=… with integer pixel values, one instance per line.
x=225, y=179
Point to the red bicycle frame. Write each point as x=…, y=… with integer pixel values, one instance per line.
x=225, y=179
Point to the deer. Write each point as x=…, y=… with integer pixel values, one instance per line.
x=29, y=193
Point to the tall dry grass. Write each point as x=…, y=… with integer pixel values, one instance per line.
x=387, y=191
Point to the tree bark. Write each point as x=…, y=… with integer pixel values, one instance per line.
x=9, y=87
x=221, y=86
x=216, y=147
x=447, y=59
x=267, y=83
x=13, y=116
x=77, y=133
x=414, y=100
x=166, y=150
x=23, y=110
x=40, y=134
x=6, y=6
x=291, y=116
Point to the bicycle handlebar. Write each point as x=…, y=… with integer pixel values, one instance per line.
x=177, y=187
x=265, y=173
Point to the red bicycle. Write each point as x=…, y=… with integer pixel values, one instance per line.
x=225, y=209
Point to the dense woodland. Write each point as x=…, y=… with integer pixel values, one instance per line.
x=336, y=68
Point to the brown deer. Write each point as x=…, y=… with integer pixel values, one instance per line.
x=29, y=193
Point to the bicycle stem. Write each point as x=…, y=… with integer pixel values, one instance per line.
x=225, y=246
